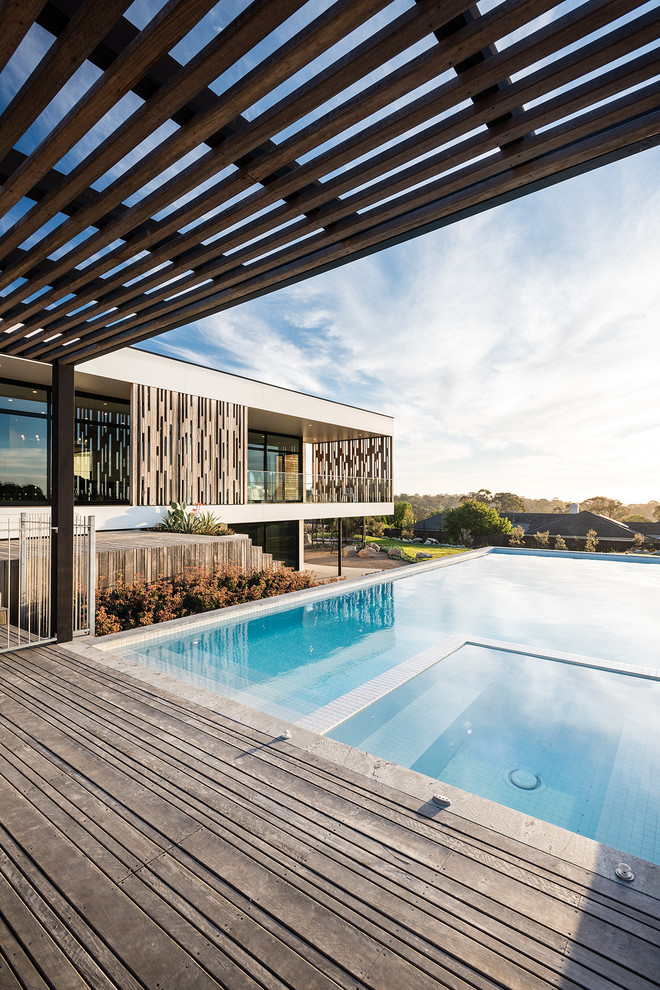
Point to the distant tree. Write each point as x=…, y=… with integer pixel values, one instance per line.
x=541, y=540
x=483, y=495
x=517, y=538
x=475, y=519
x=610, y=507
x=560, y=543
x=636, y=517
x=508, y=502
x=656, y=512
x=638, y=540
x=404, y=517
x=375, y=526
x=592, y=541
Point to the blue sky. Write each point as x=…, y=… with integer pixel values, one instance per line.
x=517, y=350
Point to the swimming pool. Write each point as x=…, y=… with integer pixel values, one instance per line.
x=297, y=661
x=573, y=745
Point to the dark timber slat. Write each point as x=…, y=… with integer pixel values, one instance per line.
x=585, y=60
x=83, y=32
x=16, y=17
x=267, y=174
x=326, y=878
x=640, y=70
x=490, y=179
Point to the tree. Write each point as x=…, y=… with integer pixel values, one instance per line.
x=560, y=543
x=656, y=512
x=404, y=517
x=483, y=495
x=603, y=506
x=636, y=517
x=508, y=502
x=592, y=541
x=517, y=538
x=475, y=519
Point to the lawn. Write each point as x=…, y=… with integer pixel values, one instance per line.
x=410, y=550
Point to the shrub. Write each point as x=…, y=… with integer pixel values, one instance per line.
x=541, y=540
x=127, y=606
x=592, y=541
x=517, y=538
x=560, y=543
x=180, y=519
x=638, y=540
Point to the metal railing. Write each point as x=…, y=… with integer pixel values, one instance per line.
x=25, y=579
x=276, y=486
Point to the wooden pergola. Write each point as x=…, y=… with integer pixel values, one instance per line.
x=288, y=142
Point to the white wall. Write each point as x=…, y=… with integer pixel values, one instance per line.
x=146, y=516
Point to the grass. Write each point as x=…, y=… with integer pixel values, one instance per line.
x=410, y=550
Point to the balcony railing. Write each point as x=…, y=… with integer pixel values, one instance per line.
x=276, y=486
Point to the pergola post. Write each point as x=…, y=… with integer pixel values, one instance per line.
x=62, y=446
x=340, y=533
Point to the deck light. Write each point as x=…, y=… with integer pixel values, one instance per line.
x=624, y=872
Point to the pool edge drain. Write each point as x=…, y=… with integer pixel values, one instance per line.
x=524, y=780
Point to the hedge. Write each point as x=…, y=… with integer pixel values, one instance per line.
x=127, y=606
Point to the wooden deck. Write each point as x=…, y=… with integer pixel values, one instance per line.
x=146, y=842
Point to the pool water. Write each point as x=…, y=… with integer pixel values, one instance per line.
x=294, y=661
x=575, y=746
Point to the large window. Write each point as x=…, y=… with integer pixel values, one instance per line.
x=24, y=443
x=102, y=452
x=274, y=468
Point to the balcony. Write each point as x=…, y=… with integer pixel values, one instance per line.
x=279, y=487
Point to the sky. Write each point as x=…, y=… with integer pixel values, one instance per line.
x=518, y=350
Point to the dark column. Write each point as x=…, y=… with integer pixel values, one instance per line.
x=62, y=436
x=339, y=542
x=364, y=531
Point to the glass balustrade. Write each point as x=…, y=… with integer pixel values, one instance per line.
x=278, y=486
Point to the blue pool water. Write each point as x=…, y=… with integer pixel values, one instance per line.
x=293, y=662
x=584, y=743
x=591, y=737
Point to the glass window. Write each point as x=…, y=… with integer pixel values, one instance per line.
x=102, y=449
x=24, y=447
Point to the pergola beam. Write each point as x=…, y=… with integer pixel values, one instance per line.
x=240, y=195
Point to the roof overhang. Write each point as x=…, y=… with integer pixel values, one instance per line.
x=169, y=191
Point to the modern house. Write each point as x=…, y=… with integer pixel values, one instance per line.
x=151, y=430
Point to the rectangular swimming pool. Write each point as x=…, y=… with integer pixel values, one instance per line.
x=298, y=660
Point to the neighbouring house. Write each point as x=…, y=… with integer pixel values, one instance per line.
x=150, y=430
x=573, y=525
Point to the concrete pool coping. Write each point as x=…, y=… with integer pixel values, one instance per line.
x=580, y=851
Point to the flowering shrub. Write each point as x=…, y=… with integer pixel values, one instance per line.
x=127, y=606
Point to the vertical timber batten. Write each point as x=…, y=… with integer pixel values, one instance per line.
x=63, y=430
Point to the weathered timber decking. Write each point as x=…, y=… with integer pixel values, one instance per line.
x=147, y=842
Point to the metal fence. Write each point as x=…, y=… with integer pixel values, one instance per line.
x=26, y=547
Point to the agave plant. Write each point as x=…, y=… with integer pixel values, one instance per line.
x=206, y=524
x=180, y=519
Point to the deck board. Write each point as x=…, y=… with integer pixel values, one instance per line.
x=149, y=842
